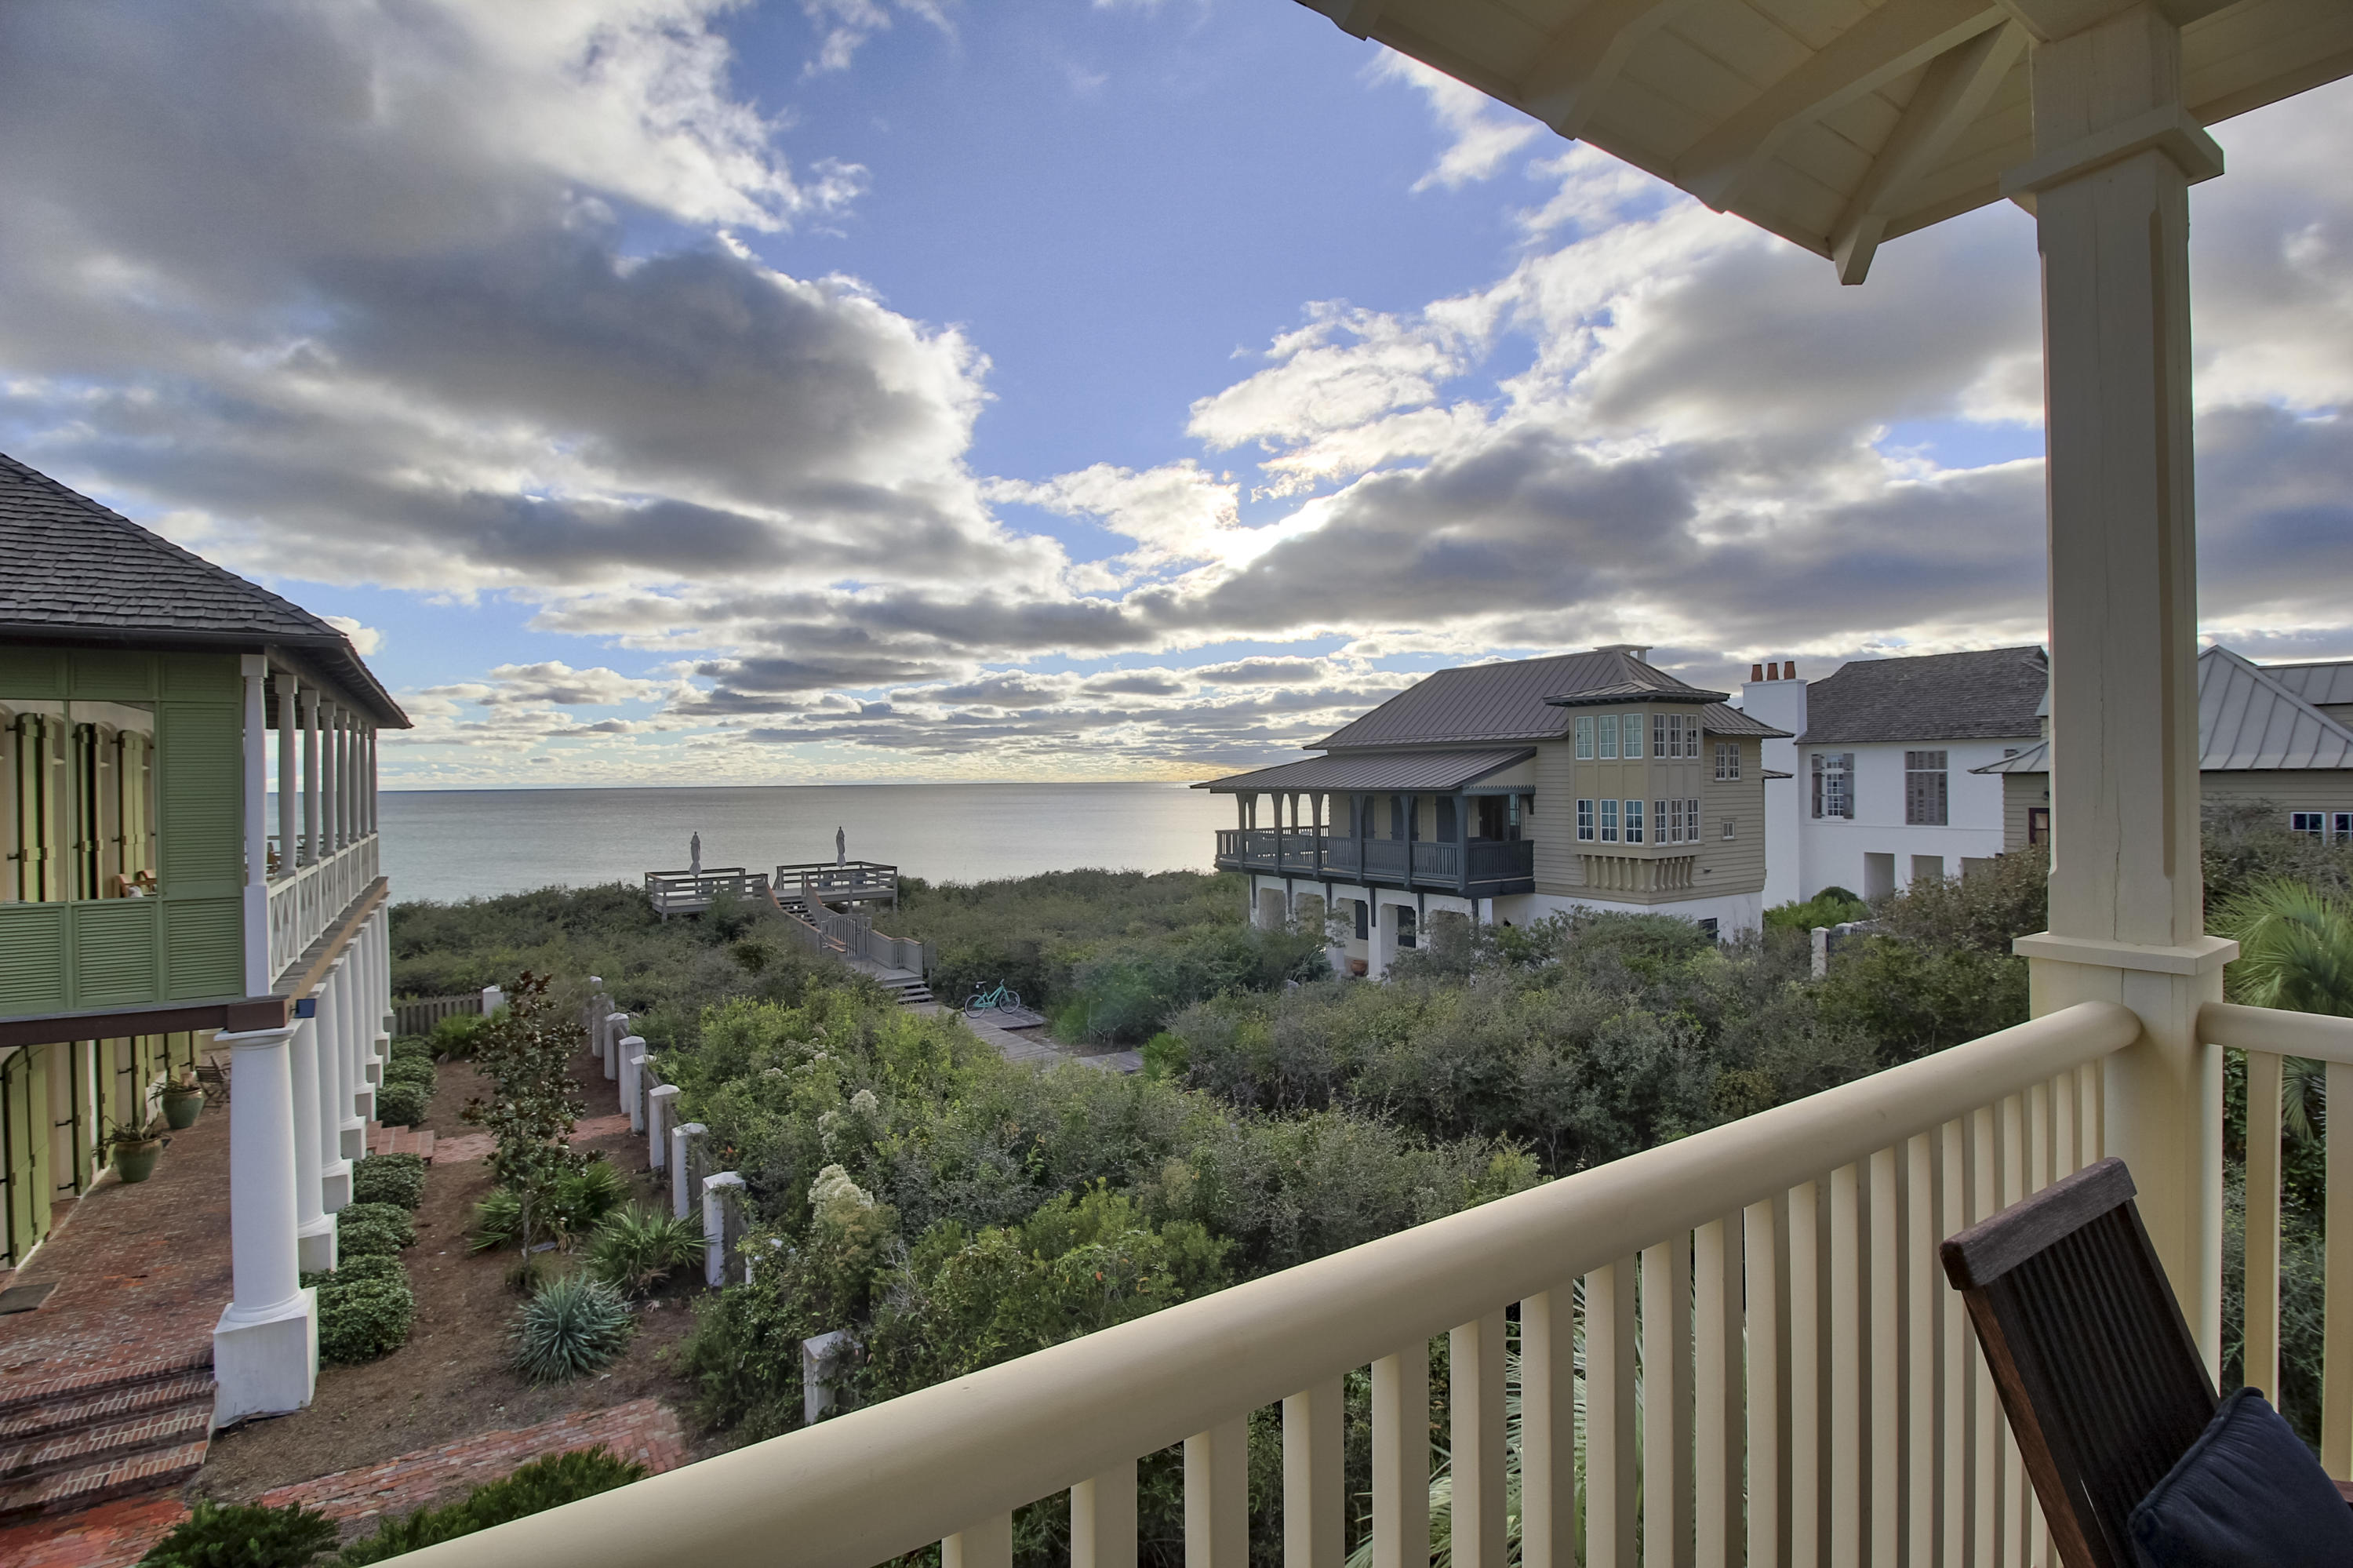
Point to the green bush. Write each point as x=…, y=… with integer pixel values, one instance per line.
x=635, y=1248
x=1830, y=906
x=572, y=1327
x=578, y=1204
x=418, y=1070
x=364, y=1319
x=374, y=1227
x=395, y=1179
x=367, y=1268
x=400, y=1105
x=543, y=1484
x=243, y=1535
x=411, y=1048
x=455, y=1037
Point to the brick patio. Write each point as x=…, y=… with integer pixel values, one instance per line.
x=140, y=1274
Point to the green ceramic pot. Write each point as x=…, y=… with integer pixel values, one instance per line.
x=181, y=1106
x=136, y=1161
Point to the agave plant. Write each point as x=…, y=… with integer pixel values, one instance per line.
x=572, y=1327
x=636, y=1247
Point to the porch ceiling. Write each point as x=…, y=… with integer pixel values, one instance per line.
x=1831, y=122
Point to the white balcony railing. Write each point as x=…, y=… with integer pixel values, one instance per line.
x=1808, y=1388
x=303, y=906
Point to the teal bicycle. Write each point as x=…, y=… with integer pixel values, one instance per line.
x=997, y=999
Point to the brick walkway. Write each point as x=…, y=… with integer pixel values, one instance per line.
x=645, y=1430
x=141, y=1272
x=112, y=1535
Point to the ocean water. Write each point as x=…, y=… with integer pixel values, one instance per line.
x=453, y=845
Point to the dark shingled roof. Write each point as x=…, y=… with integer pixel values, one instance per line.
x=73, y=570
x=1988, y=695
x=1523, y=700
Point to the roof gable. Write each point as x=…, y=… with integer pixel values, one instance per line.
x=70, y=569
x=2247, y=720
x=1990, y=694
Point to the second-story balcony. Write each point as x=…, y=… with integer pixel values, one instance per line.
x=1476, y=868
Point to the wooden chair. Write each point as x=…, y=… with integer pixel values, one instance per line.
x=2103, y=1384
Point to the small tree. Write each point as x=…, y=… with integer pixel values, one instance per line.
x=527, y=1053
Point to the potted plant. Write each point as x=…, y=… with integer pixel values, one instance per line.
x=184, y=1097
x=131, y=1151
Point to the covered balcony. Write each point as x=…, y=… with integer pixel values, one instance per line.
x=1439, y=822
x=1736, y=1347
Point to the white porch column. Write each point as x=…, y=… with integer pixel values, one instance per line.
x=1381, y=933
x=2114, y=156
x=331, y=821
x=367, y=1006
x=347, y=817
x=380, y=936
x=314, y=1228
x=334, y=1170
x=661, y=1114
x=266, y=1346
x=359, y=1099
x=256, y=922
x=289, y=779
x=314, y=843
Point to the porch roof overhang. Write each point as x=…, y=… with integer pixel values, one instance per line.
x=1836, y=128
x=1414, y=771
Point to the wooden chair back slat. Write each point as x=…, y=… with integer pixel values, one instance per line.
x=2103, y=1384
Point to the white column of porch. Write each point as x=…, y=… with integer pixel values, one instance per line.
x=290, y=778
x=266, y=1345
x=314, y=1227
x=313, y=844
x=335, y=1100
x=2115, y=155
x=359, y=1049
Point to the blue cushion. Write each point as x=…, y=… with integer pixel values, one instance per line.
x=2249, y=1494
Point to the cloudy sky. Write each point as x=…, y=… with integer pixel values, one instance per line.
x=681, y=391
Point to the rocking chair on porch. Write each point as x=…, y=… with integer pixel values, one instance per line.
x=2103, y=1384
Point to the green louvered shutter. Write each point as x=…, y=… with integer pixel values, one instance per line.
x=32, y=958
x=198, y=759
x=114, y=952
x=204, y=946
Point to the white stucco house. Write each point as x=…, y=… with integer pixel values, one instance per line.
x=1877, y=786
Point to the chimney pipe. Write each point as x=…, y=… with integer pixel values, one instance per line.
x=1789, y=669
x=1756, y=672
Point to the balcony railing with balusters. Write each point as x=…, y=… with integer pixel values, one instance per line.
x=1482, y=868
x=1808, y=1389
x=303, y=905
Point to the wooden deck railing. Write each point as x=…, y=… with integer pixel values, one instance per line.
x=1401, y=861
x=1808, y=1388
x=691, y=892
x=302, y=905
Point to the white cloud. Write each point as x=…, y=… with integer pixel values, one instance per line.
x=365, y=639
x=1483, y=135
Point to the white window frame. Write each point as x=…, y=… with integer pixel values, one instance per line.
x=1833, y=786
x=1584, y=821
x=2312, y=824
x=1727, y=760
x=1630, y=737
x=1919, y=767
x=1609, y=725
x=1609, y=821
x=1728, y=826
x=1633, y=821
x=1585, y=738
x=2342, y=831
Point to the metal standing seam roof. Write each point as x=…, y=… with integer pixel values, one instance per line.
x=1990, y=694
x=2324, y=685
x=1523, y=699
x=73, y=570
x=2247, y=722
x=1382, y=770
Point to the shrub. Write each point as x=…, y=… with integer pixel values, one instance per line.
x=364, y=1319
x=1830, y=906
x=415, y=1070
x=374, y=1227
x=573, y=1326
x=543, y=1484
x=456, y=1035
x=574, y=1207
x=636, y=1247
x=366, y=1266
x=243, y=1535
x=395, y=1179
x=400, y=1105
x=411, y=1048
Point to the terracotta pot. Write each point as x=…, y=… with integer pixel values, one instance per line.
x=181, y=1105
x=136, y=1161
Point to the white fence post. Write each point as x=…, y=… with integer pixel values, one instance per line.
x=493, y=998
x=633, y=1080
x=716, y=1192
x=681, y=1165
x=821, y=1369
x=661, y=1105
x=617, y=1024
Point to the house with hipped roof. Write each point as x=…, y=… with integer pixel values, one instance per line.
x=2274, y=735
x=188, y=812
x=1503, y=792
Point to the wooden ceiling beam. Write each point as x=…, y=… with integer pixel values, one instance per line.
x=1953, y=93
x=1576, y=66
x=1901, y=35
